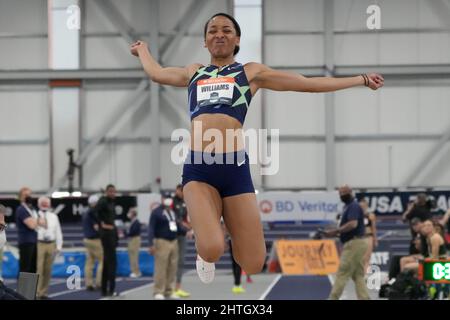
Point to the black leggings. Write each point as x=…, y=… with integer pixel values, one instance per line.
x=27, y=257
x=236, y=267
x=109, y=243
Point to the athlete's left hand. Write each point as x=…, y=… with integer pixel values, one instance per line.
x=375, y=81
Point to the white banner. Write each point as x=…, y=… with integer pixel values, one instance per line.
x=146, y=202
x=299, y=206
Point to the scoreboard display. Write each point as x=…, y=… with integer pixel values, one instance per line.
x=434, y=271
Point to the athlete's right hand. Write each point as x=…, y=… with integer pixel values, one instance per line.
x=137, y=46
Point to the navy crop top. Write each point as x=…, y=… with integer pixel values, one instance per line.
x=223, y=90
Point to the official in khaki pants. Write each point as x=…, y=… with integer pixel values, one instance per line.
x=49, y=244
x=134, y=243
x=93, y=245
x=351, y=232
x=162, y=237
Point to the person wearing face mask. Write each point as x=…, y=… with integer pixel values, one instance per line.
x=93, y=245
x=351, y=232
x=134, y=243
x=162, y=239
x=2, y=236
x=5, y=292
x=50, y=241
x=27, y=222
x=106, y=212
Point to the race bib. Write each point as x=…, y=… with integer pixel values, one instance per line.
x=173, y=226
x=215, y=91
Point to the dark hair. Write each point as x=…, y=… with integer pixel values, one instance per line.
x=180, y=186
x=235, y=24
x=110, y=186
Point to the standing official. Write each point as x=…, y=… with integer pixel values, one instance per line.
x=108, y=234
x=50, y=242
x=351, y=232
x=94, y=249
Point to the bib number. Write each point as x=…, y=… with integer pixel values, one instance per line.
x=215, y=91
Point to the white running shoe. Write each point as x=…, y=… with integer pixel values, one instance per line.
x=205, y=270
x=159, y=296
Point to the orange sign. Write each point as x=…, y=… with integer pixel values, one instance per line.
x=307, y=256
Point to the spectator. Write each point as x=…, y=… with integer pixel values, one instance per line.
x=108, y=234
x=162, y=239
x=134, y=243
x=27, y=222
x=436, y=246
x=5, y=292
x=2, y=236
x=93, y=246
x=445, y=221
x=417, y=209
x=50, y=241
x=370, y=224
x=351, y=233
x=180, y=210
x=417, y=248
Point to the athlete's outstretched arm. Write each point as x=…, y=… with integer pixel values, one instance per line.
x=173, y=76
x=267, y=78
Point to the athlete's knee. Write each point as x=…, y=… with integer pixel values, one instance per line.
x=211, y=250
x=253, y=264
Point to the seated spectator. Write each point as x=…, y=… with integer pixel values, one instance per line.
x=417, y=247
x=436, y=246
x=445, y=222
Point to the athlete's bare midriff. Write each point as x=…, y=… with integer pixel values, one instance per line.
x=206, y=127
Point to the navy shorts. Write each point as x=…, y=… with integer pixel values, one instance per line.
x=228, y=172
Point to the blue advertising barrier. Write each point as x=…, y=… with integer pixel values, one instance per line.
x=78, y=258
x=395, y=203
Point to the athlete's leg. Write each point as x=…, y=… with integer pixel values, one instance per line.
x=241, y=216
x=204, y=207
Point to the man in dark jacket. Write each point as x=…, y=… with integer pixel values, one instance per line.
x=162, y=239
x=108, y=234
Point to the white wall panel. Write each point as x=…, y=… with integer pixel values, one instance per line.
x=100, y=106
x=305, y=15
x=15, y=54
x=294, y=50
x=398, y=110
x=170, y=172
x=434, y=109
x=301, y=165
x=362, y=164
x=357, y=111
x=295, y=113
x=22, y=17
x=25, y=165
x=24, y=115
x=125, y=165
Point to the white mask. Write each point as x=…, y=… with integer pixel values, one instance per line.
x=168, y=202
x=2, y=240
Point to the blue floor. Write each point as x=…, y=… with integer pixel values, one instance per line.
x=58, y=288
x=300, y=288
